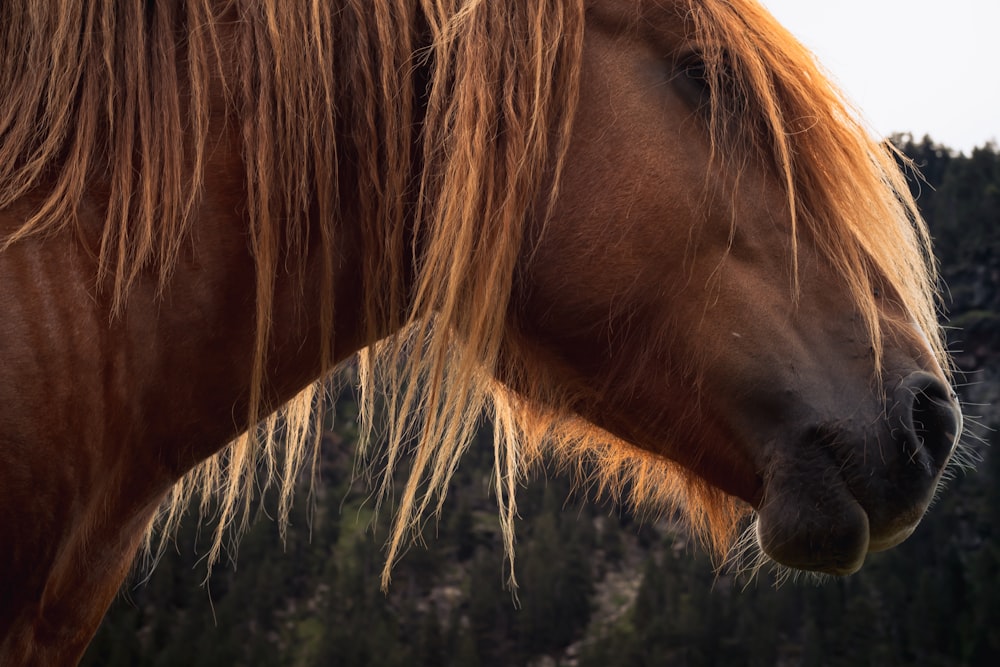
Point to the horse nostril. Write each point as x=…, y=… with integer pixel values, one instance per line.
x=930, y=418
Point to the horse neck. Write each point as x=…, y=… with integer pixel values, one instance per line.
x=205, y=324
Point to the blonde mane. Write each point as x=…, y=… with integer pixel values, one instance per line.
x=480, y=94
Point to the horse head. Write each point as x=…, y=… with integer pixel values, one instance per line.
x=718, y=286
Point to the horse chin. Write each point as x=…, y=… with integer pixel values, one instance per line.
x=834, y=538
x=811, y=527
x=890, y=540
x=823, y=526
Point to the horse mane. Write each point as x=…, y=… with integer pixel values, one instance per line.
x=120, y=92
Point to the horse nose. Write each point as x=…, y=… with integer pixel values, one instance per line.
x=929, y=421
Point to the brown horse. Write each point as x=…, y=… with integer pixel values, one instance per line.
x=647, y=236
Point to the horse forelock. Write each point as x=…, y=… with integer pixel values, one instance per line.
x=124, y=91
x=772, y=101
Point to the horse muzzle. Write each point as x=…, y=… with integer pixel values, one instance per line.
x=845, y=490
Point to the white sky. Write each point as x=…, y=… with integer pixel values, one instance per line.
x=920, y=66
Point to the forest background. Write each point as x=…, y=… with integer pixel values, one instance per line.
x=599, y=587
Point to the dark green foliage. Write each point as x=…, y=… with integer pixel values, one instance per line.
x=959, y=196
x=316, y=600
x=934, y=600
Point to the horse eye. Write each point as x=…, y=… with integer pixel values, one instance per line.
x=692, y=80
x=695, y=70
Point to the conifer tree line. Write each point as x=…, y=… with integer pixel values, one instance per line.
x=600, y=588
